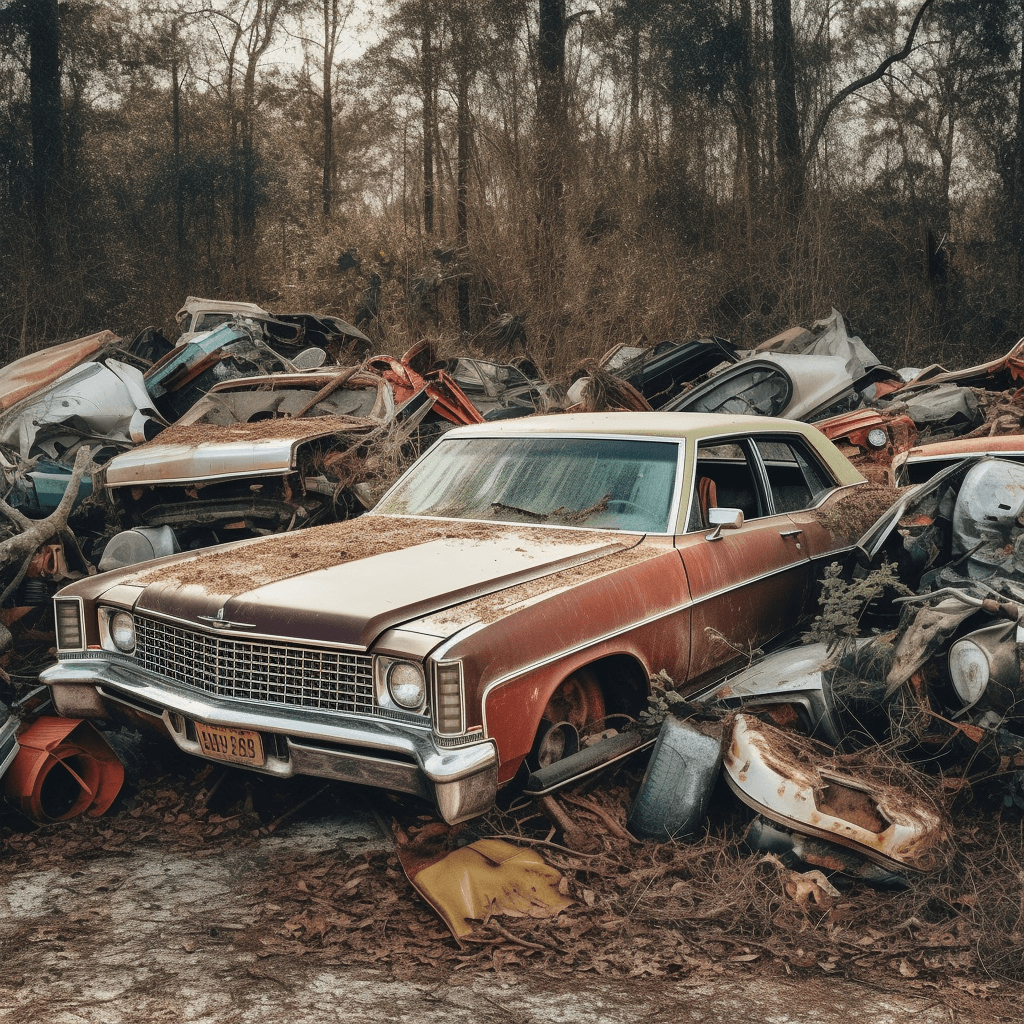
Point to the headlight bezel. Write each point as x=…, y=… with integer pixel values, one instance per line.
x=107, y=614
x=385, y=685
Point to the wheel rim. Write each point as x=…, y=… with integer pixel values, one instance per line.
x=576, y=708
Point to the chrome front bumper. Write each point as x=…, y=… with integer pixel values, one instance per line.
x=381, y=752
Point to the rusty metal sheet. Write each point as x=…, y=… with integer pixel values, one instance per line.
x=802, y=785
x=204, y=452
x=26, y=376
x=451, y=402
x=1012, y=364
x=64, y=768
x=924, y=638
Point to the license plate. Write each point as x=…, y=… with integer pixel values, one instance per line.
x=243, y=746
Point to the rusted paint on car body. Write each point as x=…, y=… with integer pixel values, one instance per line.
x=798, y=783
x=492, y=616
x=919, y=463
x=853, y=433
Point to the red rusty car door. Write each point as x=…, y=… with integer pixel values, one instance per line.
x=749, y=584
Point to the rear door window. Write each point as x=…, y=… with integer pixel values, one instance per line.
x=796, y=477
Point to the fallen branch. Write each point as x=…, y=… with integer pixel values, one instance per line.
x=36, y=532
x=506, y=934
x=612, y=825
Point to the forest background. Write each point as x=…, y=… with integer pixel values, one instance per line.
x=548, y=176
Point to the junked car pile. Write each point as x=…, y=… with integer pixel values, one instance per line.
x=235, y=566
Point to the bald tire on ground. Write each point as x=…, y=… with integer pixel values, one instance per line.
x=673, y=798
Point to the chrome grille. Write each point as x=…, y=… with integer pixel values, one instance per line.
x=257, y=671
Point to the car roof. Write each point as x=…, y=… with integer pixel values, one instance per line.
x=194, y=304
x=671, y=425
x=966, y=446
x=668, y=425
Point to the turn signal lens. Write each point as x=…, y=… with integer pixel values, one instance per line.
x=449, y=709
x=70, y=634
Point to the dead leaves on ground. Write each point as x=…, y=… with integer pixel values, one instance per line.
x=639, y=910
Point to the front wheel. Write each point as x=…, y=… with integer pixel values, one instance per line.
x=575, y=710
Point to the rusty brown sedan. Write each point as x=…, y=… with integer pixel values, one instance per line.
x=494, y=621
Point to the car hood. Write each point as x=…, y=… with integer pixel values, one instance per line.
x=202, y=452
x=348, y=582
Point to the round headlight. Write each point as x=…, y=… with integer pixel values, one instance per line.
x=878, y=438
x=122, y=631
x=406, y=684
x=969, y=669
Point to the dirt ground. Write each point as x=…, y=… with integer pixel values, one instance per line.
x=209, y=895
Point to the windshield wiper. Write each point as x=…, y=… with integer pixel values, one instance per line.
x=500, y=506
x=566, y=516
x=582, y=514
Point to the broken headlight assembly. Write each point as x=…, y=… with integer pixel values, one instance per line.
x=984, y=665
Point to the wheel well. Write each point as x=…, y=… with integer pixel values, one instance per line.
x=623, y=682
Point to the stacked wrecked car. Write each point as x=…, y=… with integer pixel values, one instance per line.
x=115, y=453
x=539, y=597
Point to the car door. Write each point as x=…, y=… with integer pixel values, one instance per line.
x=797, y=482
x=749, y=584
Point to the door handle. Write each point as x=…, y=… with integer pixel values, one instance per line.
x=791, y=533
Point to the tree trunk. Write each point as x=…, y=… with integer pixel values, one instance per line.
x=427, y=66
x=47, y=120
x=551, y=142
x=332, y=26
x=1018, y=181
x=787, y=126
x=751, y=142
x=634, y=97
x=179, y=191
x=551, y=105
x=463, y=73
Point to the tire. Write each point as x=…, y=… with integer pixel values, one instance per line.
x=676, y=789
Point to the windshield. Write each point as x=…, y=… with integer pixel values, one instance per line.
x=595, y=483
x=758, y=391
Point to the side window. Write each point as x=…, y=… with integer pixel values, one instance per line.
x=723, y=478
x=796, y=478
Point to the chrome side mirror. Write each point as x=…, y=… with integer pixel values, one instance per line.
x=723, y=519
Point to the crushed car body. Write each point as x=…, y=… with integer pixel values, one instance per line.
x=52, y=402
x=496, y=617
x=272, y=453
x=807, y=788
x=291, y=333
x=797, y=386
